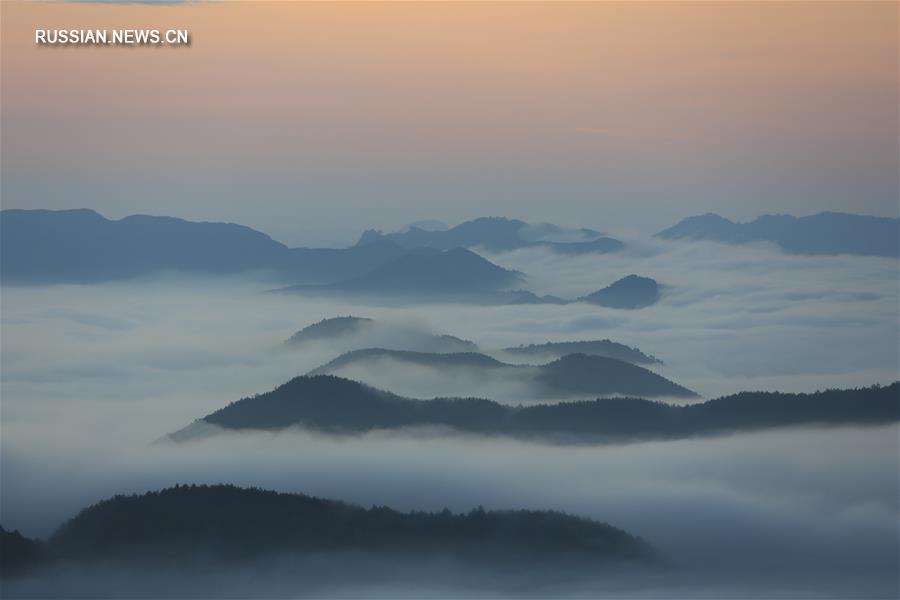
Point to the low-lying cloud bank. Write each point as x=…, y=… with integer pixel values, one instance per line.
x=92, y=374
x=799, y=508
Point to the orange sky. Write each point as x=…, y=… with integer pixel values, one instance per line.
x=389, y=110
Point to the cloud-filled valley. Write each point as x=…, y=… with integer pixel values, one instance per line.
x=94, y=374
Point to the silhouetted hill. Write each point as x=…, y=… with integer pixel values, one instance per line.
x=17, y=553
x=81, y=246
x=499, y=234
x=629, y=292
x=451, y=272
x=332, y=328
x=234, y=523
x=574, y=374
x=353, y=331
x=823, y=233
x=335, y=405
x=601, y=375
x=427, y=359
x=606, y=348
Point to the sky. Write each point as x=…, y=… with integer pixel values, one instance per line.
x=313, y=121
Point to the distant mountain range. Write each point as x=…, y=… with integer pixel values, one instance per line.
x=608, y=348
x=81, y=246
x=823, y=233
x=235, y=524
x=363, y=330
x=499, y=234
x=571, y=375
x=335, y=405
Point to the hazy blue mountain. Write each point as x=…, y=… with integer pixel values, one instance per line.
x=336, y=405
x=472, y=360
x=606, y=348
x=232, y=524
x=499, y=234
x=81, y=246
x=329, y=329
x=331, y=265
x=629, y=292
x=362, y=330
x=450, y=272
x=823, y=233
x=574, y=374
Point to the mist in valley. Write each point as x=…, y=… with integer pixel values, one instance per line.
x=94, y=375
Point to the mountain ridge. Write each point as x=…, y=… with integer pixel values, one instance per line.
x=569, y=375
x=336, y=405
x=499, y=234
x=824, y=233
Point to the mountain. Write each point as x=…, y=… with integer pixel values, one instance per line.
x=470, y=360
x=574, y=374
x=329, y=265
x=823, y=233
x=579, y=374
x=335, y=405
x=81, y=246
x=356, y=331
x=229, y=523
x=18, y=554
x=328, y=329
x=608, y=348
x=499, y=234
x=629, y=292
x=457, y=272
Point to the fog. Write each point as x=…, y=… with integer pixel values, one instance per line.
x=92, y=375
x=781, y=506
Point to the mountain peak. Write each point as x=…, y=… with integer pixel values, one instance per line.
x=632, y=291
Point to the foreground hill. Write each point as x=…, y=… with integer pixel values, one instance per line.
x=232, y=523
x=499, y=234
x=81, y=246
x=823, y=233
x=17, y=553
x=336, y=405
x=608, y=348
x=571, y=375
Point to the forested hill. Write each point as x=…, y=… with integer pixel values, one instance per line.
x=233, y=523
x=337, y=405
